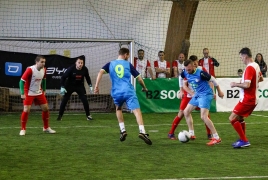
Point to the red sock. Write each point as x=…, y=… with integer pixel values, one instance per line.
x=175, y=123
x=24, y=119
x=238, y=127
x=243, y=124
x=208, y=130
x=45, y=116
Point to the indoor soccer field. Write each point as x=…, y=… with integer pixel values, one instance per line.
x=84, y=149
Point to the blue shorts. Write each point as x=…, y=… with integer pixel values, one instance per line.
x=131, y=101
x=202, y=101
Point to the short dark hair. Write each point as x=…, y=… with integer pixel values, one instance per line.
x=193, y=57
x=140, y=50
x=187, y=62
x=39, y=57
x=246, y=51
x=123, y=51
x=161, y=52
x=239, y=70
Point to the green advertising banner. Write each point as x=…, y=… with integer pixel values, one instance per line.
x=162, y=96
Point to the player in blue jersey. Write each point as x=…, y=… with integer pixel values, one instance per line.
x=120, y=71
x=202, y=95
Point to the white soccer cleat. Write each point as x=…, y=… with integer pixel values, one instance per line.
x=49, y=130
x=22, y=132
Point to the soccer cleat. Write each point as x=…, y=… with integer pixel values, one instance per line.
x=22, y=132
x=192, y=137
x=241, y=143
x=123, y=136
x=214, y=141
x=171, y=136
x=59, y=118
x=210, y=136
x=145, y=138
x=49, y=130
x=235, y=142
x=89, y=118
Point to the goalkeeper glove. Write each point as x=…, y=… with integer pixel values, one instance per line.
x=91, y=89
x=63, y=91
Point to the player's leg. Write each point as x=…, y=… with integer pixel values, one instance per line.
x=215, y=137
x=118, y=101
x=27, y=102
x=177, y=119
x=133, y=104
x=189, y=120
x=64, y=101
x=42, y=101
x=81, y=91
x=237, y=120
x=209, y=135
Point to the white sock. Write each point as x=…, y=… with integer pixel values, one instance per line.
x=122, y=127
x=191, y=132
x=141, y=128
x=216, y=136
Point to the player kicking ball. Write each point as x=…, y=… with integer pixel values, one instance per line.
x=120, y=71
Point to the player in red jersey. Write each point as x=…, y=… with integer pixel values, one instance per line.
x=248, y=96
x=31, y=91
x=185, y=98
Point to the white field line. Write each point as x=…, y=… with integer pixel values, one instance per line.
x=215, y=178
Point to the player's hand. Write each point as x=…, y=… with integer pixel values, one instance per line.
x=220, y=94
x=96, y=90
x=153, y=78
x=144, y=89
x=63, y=91
x=91, y=89
x=233, y=84
x=22, y=96
x=181, y=94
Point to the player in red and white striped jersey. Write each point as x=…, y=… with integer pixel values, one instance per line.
x=248, y=96
x=162, y=67
x=143, y=66
x=31, y=91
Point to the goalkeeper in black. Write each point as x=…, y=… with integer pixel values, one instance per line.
x=73, y=81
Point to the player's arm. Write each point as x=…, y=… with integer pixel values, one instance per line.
x=208, y=77
x=248, y=75
x=150, y=70
x=25, y=77
x=168, y=68
x=175, y=69
x=88, y=79
x=104, y=70
x=65, y=76
x=215, y=62
x=137, y=75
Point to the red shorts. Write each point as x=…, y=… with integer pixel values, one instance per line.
x=243, y=110
x=38, y=100
x=184, y=101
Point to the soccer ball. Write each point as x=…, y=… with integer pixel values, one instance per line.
x=184, y=136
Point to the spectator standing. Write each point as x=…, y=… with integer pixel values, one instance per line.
x=260, y=61
x=208, y=62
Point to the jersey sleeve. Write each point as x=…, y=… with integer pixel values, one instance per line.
x=148, y=64
x=156, y=64
x=168, y=64
x=205, y=76
x=27, y=74
x=65, y=75
x=106, y=67
x=249, y=73
x=183, y=74
x=133, y=71
x=87, y=76
x=174, y=64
